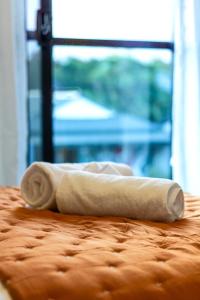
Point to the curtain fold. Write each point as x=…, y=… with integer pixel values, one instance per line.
x=13, y=92
x=186, y=97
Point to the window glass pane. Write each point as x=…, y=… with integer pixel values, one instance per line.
x=126, y=20
x=31, y=13
x=113, y=104
x=34, y=94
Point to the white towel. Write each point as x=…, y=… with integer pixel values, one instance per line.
x=46, y=186
x=135, y=197
x=41, y=180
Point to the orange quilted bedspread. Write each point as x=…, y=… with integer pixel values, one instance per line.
x=49, y=256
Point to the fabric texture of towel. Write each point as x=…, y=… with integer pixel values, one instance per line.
x=41, y=180
x=152, y=199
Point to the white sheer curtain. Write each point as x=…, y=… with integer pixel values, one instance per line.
x=186, y=100
x=13, y=127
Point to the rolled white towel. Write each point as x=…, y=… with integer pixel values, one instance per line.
x=39, y=185
x=41, y=180
x=135, y=197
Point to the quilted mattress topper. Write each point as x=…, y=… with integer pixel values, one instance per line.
x=46, y=255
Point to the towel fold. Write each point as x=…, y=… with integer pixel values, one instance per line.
x=135, y=197
x=106, y=167
x=41, y=180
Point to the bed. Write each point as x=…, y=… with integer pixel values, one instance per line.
x=49, y=256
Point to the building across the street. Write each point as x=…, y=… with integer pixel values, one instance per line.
x=85, y=131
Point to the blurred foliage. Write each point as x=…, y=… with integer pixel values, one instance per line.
x=120, y=83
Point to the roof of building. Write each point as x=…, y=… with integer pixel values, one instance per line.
x=75, y=106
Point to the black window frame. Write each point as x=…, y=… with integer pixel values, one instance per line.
x=43, y=35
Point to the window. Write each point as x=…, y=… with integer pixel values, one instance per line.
x=100, y=82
